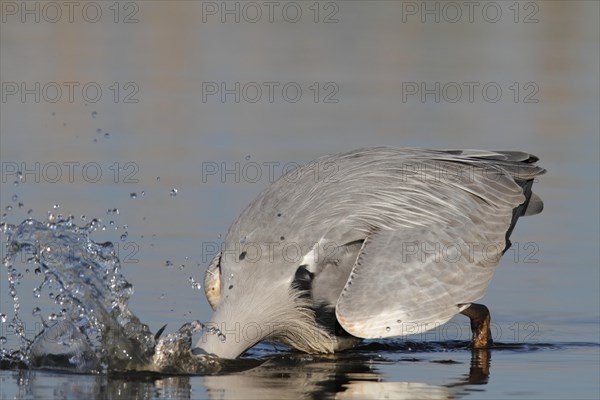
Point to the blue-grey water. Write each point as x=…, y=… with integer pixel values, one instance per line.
x=164, y=119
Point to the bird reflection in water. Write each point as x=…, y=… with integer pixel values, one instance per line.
x=344, y=376
x=359, y=374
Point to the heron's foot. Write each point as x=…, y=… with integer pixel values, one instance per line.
x=480, y=325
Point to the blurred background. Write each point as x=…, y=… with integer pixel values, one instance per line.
x=164, y=119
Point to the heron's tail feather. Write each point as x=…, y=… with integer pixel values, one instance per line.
x=535, y=206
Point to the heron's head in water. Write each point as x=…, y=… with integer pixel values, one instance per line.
x=260, y=294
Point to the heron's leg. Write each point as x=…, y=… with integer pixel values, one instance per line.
x=480, y=325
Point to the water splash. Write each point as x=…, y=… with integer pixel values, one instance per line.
x=174, y=353
x=93, y=329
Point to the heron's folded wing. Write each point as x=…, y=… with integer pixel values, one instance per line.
x=411, y=280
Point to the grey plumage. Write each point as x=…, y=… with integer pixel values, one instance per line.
x=374, y=242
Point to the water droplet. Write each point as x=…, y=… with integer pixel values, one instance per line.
x=16, y=183
x=15, y=197
x=248, y=157
x=21, y=205
x=36, y=311
x=168, y=264
x=56, y=206
x=173, y=192
x=123, y=236
x=106, y=135
x=8, y=208
x=221, y=337
x=387, y=329
x=158, y=178
x=98, y=131
x=94, y=114
x=133, y=195
x=2, y=340
x=211, y=330
x=2, y=318
x=195, y=285
x=29, y=211
x=143, y=193
x=399, y=321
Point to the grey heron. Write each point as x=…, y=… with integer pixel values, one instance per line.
x=371, y=243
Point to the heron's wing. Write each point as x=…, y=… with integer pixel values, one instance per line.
x=437, y=244
x=411, y=280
